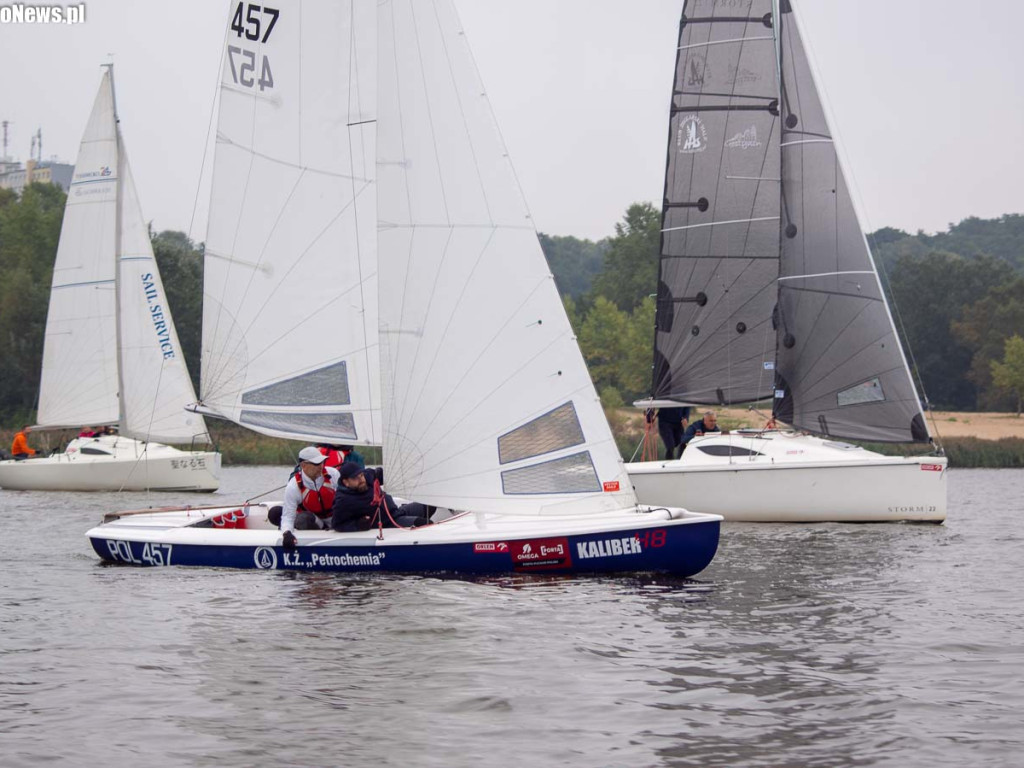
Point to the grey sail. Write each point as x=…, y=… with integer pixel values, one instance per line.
x=840, y=368
x=719, y=260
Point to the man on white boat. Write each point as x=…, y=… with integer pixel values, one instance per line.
x=308, y=496
x=701, y=427
x=19, y=448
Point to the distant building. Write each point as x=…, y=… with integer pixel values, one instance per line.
x=14, y=175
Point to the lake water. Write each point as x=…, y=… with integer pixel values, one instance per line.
x=801, y=645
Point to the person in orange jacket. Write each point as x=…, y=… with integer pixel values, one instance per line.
x=19, y=448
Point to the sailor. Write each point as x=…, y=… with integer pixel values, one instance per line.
x=702, y=426
x=671, y=423
x=19, y=448
x=361, y=504
x=308, y=496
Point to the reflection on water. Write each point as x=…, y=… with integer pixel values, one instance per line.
x=813, y=645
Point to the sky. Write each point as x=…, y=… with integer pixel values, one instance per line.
x=926, y=99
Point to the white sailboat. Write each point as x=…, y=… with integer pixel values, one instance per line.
x=387, y=226
x=111, y=355
x=767, y=290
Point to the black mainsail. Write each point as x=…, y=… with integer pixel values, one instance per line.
x=766, y=285
x=720, y=223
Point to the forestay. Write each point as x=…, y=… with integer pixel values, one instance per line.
x=290, y=297
x=714, y=342
x=79, y=376
x=841, y=369
x=487, y=402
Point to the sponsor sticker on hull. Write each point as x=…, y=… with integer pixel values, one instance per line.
x=931, y=467
x=540, y=554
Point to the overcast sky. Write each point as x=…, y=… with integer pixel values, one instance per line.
x=926, y=95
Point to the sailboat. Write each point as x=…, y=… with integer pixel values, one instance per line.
x=111, y=355
x=361, y=188
x=767, y=291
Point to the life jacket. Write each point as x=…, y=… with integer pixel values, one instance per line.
x=335, y=458
x=317, y=502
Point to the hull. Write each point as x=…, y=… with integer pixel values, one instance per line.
x=676, y=542
x=797, y=479
x=114, y=463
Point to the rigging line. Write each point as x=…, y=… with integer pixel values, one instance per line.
x=720, y=223
x=723, y=42
x=827, y=274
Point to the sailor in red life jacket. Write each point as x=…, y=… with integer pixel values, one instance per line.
x=308, y=496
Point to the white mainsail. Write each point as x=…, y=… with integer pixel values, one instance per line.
x=111, y=353
x=79, y=382
x=290, y=297
x=487, y=401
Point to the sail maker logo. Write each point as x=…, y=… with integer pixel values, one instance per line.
x=744, y=139
x=692, y=136
x=156, y=312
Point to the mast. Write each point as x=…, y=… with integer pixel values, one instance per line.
x=118, y=218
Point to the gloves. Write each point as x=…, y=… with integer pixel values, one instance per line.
x=288, y=541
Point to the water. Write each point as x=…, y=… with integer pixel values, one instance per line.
x=817, y=645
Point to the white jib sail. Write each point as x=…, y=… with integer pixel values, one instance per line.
x=79, y=382
x=488, y=404
x=290, y=297
x=154, y=377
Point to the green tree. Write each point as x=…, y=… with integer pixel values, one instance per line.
x=984, y=328
x=29, y=233
x=603, y=339
x=630, y=270
x=930, y=294
x=574, y=262
x=1009, y=372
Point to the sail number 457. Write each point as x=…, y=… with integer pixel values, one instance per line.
x=152, y=554
x=254, y=23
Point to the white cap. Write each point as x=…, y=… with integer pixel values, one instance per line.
x=312, y=455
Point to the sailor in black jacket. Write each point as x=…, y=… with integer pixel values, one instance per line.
x=354, y=507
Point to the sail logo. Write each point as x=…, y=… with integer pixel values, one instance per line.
x=692, y=136
x=265, y=558
x=744, y=139
x=741, y=76
x=156, y=313
x=697, y=71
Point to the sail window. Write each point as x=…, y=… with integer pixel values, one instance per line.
x=553, y=431
x=867, y=392
x=325, y=386
x=571, y=474
x=340, y=426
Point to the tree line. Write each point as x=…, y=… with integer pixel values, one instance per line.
x=957, y=296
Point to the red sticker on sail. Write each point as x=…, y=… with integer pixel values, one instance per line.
x=611, y=485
